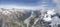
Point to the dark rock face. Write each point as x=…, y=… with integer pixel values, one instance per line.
x=0, y=23
x=58, y=25
x=58, y=15
x=25, y=16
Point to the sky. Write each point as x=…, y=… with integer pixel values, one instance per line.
x=27, y=3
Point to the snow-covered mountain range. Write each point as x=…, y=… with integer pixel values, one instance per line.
x=31, y=18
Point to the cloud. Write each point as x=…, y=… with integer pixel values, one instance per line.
x=21, y=7
x=57, y=8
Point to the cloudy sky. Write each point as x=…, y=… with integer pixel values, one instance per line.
x=27, y=3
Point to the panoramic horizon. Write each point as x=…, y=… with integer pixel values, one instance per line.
x=29, y=13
